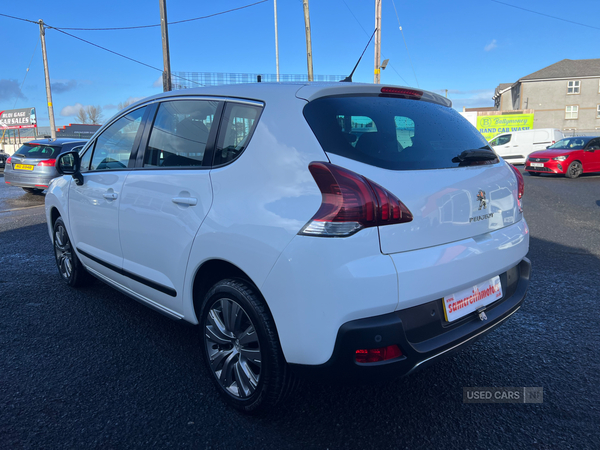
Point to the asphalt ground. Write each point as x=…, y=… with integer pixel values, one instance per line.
x=92, y=368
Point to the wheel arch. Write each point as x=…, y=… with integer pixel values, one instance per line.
x=210, y=273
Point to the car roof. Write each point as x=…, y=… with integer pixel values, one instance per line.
x=586, y=139
x=57, y=141
x=303, y=90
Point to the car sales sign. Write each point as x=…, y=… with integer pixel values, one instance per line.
x=13, y=119
x=468, y=300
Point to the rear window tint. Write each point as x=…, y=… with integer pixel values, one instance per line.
x=392, y=133
x=39, y=151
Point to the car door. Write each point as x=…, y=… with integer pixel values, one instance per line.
x=166, y=199
x=592, y=156
x=94, y=204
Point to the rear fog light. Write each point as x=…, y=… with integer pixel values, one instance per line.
x=374, y=355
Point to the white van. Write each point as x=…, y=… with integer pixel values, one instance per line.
x=516, y=146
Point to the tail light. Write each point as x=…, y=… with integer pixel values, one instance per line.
x=47, y=163
x=350, y=203
x=373, y=355
x=9, y=160
x=520, y=186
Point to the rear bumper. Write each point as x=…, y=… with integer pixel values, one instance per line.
x=421, y=333
x=27, y=180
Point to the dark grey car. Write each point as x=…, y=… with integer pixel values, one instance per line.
x=32, y=166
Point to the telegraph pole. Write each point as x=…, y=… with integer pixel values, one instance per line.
x=276, y=41
x=377, y=77
x=308, y=42
x=48, y=91
x=165, y=46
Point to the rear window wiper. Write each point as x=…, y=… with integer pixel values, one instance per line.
x=478, y=154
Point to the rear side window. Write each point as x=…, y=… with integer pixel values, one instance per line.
x=392, y=133
x=38, y=151
x=180, y=133
x=236, y=128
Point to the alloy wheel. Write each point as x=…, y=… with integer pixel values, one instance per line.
x=63, y=252
x=233, y=348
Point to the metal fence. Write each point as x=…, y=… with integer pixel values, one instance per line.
x=186, y=80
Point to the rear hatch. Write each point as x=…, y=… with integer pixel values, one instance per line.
x=427, y=155
x=28, y=158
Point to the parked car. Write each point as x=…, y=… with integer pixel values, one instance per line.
x=3, y=158
x=32, y=166
x=516, y=146
x=341, y=231
x=569, y=157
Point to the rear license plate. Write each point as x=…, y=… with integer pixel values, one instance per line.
x=537, y=164
x=23, y=167
x=468, y=300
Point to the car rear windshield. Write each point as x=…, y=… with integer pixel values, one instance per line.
x=39, y=151
x=393, y=133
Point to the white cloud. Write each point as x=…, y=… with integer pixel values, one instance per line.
x=129, y=101
x=158, y=82
x=71, y=110
x=491, y=46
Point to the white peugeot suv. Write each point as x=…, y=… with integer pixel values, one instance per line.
x=308, y=229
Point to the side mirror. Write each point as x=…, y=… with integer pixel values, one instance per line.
x=69, y=164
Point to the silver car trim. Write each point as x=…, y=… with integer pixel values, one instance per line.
x=463, y=342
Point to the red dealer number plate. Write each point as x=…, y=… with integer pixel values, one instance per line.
x=468, y=300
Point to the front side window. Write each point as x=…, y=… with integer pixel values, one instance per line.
x=180, y=133
x=571, y=112
x=573, y=87
x=500, y=140
x=114, y=146
x=237, y=126
x=594, y=144
x=406, y=134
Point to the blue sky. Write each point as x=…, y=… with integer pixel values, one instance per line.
x=465, y=46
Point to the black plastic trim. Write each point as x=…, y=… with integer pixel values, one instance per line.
x=152, y=284
x=390, y=329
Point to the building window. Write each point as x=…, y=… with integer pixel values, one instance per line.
x=598, y=111
x=573, y=87
x=571, y=112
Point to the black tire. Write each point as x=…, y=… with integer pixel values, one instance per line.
x=32, y=190
x=69, y=267
x=241, y=348
x=574, y=170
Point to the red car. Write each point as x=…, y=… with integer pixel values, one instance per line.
x=569, y=157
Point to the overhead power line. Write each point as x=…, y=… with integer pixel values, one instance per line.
x=158, y=24
x=405, y=44
x=116, y=53
x=546, y=15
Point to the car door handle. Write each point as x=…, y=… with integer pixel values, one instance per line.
x=190, y=201
x=110, y=195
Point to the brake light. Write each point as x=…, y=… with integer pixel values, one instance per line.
x=520, y=186
x=350, y=203
x=9, y=160
x=402, y=92
x=378, y=354
x=47, y=163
